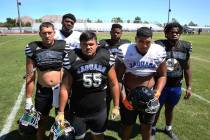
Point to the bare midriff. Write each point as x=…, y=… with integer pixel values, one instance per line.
x=49, y=78
x=131, y=81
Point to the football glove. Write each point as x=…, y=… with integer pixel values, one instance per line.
x=115, y=113
x=60, y=118
x=65, y=132
x=29, y=105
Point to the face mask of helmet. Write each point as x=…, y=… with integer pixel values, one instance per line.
x=143, y=99
x=58, y=132
x=28, y=123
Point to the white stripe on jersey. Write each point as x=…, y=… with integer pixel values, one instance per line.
x=66, y=62
x=28, y=51
x=111, y=60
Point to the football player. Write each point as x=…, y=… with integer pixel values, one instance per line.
x=87, y=72
x=43, y=58
x=112, y=45
x=142, y=61
x=70, y=36
x=67, y=33
x=178, y=65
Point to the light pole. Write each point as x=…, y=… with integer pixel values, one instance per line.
x=19, y=20
x=169, y=10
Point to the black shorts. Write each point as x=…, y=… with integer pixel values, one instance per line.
x=128, y=117
x=96, y=123
x=43, y=99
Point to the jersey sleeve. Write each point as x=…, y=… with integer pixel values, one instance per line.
x=161, y=53
x=111, y=59
x=189, y=47
x=29, y=51
x=66, y=61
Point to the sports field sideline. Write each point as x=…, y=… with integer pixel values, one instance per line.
x=192, y=119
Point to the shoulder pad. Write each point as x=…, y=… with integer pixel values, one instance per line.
x=60, y=44
x=103, y=43
x=160, y=42
x=123, y=41
x=187, y=45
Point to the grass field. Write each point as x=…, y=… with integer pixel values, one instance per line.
x=191, y=120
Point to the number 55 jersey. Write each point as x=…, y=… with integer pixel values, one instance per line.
x=89, y=80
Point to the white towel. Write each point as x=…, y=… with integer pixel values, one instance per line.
x=56, y=91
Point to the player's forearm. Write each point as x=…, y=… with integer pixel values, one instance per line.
x=30, y=83
x=161, y=81
x=63, y=98
x=115, y=94
x=188, y=77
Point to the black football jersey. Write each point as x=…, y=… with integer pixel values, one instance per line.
x=89, y=80
x=46, y=58
x=176, y=60
x=113, y=48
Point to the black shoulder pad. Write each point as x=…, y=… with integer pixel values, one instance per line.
x=103, y=43
x=160, y=42
x=33, y=45
x=60, y=44
x=123, y=41
x=187, y=45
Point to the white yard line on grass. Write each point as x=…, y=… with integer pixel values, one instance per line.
x=11, y=117
x=200, y=59
x=199, y=97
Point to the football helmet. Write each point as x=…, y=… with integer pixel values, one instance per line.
x=59, y=132
x=28, y=123
x=143, y=99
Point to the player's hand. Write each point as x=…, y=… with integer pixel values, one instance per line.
x=115, y=113
x=127, y=104
x=60, y=118
x=188, y=93
x=29, y=105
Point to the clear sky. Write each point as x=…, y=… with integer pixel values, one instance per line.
x=183, y=11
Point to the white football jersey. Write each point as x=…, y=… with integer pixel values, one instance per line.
x=72, y=41
x=142, y=65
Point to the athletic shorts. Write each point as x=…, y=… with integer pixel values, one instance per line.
x=128, y=117
x=170, y=95
x=43, y=99
x=96, y=123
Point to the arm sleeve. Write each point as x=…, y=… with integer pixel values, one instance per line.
x=66, y=62
x=28, y=51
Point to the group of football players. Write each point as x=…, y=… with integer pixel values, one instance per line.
x=79, y=76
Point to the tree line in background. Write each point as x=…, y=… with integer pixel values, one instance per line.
x=14, y=23
x=10, y=22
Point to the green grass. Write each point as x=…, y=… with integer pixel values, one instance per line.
x=191, y=118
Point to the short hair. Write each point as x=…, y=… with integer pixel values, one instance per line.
x=144, y=32
x=69, y=15
x=116, y=25
x=46, y=24
x=87, y=35
x=171, y=25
